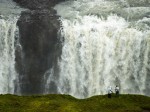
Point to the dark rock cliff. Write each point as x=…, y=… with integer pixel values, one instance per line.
x=40, y=45
x=38, y=4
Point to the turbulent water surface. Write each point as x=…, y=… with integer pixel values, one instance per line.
x=105, y=42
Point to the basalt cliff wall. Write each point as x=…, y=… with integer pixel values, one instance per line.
x=39, y=47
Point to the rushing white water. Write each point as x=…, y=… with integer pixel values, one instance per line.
x=103, y=53
x=9, y=34
x=8, y=75
x=106, y=42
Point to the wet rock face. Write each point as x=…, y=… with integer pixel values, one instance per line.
x=40, y=48
x=38, y=4
x=40, y=45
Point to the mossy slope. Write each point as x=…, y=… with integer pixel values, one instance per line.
x=66, y=103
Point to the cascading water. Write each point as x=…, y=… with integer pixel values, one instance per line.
x=9, y=35
x=8, y=75
x=105, y=52
x=106, y=42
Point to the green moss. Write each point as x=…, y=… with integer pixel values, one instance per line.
x=67, y=103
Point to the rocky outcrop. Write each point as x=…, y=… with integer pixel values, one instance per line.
x=40, y=45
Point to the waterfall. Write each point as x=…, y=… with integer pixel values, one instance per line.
x=98, y=53
x=9, y=35
x=8, y=75
x=106, y=42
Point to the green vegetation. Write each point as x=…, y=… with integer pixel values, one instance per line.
x=66, y=103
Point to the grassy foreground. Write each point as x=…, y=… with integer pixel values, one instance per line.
x=66, y=103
